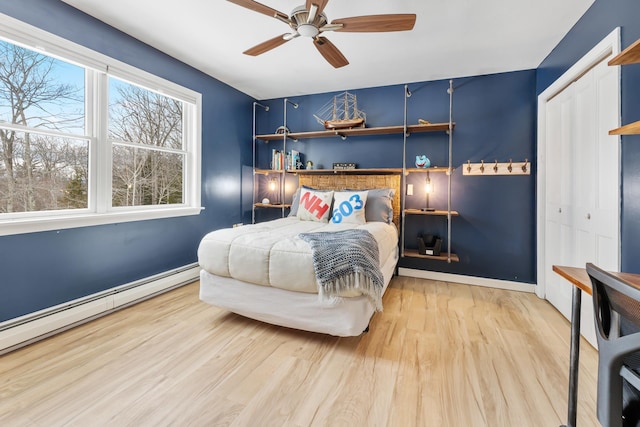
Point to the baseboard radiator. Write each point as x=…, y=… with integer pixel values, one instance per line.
x=24, y=330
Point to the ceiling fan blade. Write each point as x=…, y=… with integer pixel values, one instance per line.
x=266, y=46
x=258, y=7
x=377, y=23
x=330, y=52
x=320, y=3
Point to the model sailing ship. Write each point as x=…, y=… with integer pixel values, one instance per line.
x=341, y=113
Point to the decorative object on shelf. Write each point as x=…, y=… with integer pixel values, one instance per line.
x=429, y=245
x=422, y=161
x=341, y=113
x=423, y=122
x=495, y=168
x=428, y=189
x=309, y=165
x=343, y=166
x=309, y=20
x=282, y=129
x=266, y=201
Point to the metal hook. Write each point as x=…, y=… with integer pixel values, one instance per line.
x=495, y=167
x=468, y=166
x=510, y=167
x=482, y=166
x=524, y=167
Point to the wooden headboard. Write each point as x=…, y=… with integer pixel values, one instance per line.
x=352, y=181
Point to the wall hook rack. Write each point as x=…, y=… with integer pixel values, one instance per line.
x=506, y=168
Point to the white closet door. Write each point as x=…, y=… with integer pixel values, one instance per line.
x=596, y=179
x=559, y=184
x=582, y=184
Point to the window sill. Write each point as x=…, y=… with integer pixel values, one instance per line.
x=49, y=223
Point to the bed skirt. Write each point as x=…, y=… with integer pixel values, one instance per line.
x=341, y=317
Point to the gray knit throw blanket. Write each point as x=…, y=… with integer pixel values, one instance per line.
x=346, y=260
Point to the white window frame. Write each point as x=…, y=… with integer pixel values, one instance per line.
x=99, y=68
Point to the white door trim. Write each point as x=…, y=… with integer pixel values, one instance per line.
x=608, y=46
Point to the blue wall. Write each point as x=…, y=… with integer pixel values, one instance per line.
x=495, y=115
x=595, y=24
x=40, y=270
x=494, y=235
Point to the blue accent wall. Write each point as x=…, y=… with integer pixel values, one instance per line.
x=40, y=270
x=595, y=24
x=495, y=117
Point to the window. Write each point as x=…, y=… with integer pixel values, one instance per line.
x=145, y=131
x=41, y=170
x=87, y=140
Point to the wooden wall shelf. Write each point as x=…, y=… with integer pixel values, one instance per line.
x=370, y=171
x=630, y=129
x=435, y=169
x=384, y=130
x=373, y=171
x=630, y=55
x=413, y=253
x=436, y=212
x=267, y=171
x=270, y=205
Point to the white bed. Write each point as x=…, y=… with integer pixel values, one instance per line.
x=265, y=271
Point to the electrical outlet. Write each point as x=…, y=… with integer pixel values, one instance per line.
x=409, y=189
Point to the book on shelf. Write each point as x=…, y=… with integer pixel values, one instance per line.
x=287, y=161
x=294, y=159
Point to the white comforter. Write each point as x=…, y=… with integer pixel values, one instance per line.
x=271, y=254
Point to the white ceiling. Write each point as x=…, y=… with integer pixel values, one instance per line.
x=451, y=38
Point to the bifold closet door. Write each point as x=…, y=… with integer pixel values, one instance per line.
x=559, y=230
x=582, y=219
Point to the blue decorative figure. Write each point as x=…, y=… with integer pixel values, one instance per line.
x=422, y=161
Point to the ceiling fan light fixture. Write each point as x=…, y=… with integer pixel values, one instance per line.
x=309, y=20
x=307, y=30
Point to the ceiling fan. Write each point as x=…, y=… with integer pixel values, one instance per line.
x=309, y=20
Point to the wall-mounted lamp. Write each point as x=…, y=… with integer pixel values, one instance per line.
x=273, y=187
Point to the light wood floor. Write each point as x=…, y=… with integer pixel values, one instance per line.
x=440, y=354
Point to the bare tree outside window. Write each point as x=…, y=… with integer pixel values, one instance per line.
x=39, y=171
x=148, y=149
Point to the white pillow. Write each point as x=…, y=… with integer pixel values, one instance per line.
x=314, y=205
x=348, y=207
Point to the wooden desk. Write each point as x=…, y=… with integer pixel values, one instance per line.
x=581, y=282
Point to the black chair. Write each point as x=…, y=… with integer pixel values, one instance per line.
x=616, y=305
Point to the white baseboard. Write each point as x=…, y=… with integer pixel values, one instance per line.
x=469, y=280
x=16, y=333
